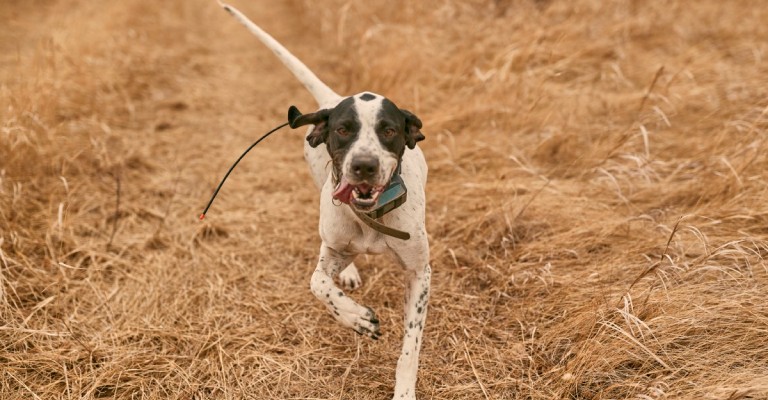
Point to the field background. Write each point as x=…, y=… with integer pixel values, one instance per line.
x=597, y=199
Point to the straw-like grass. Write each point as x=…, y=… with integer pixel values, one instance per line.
x=596, y=204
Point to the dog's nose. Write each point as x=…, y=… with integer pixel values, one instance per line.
x=365, y=167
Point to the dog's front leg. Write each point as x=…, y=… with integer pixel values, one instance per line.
x=350, y=314
x=416, y=299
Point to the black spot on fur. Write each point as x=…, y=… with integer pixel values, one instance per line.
x=367, y=97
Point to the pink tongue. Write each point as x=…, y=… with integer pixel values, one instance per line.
x=364, y=188
x=343, y=191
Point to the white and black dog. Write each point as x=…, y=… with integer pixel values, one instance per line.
x=367, y=137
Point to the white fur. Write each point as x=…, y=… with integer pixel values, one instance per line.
x=344, y=236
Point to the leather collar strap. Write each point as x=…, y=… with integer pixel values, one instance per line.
x=379, y=227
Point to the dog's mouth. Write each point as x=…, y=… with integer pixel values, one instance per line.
x=362, y=196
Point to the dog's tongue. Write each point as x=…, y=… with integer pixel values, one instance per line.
x=343, y=191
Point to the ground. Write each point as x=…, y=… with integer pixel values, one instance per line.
x=596, y=200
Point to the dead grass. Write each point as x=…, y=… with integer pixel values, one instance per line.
x=597, y=200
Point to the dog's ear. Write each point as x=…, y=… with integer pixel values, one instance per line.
x=319, y=119
x=412, y=129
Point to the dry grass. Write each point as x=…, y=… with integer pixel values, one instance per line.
x=597, y=199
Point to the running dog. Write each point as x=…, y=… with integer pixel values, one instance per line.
x=367, y=140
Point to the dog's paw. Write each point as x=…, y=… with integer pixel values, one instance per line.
x=368, y=325
x=349, y=278
x=361, y=319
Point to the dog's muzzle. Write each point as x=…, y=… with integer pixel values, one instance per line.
x=361, y=188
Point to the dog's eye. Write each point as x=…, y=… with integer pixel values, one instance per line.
x=342, y=131
x=389, y=133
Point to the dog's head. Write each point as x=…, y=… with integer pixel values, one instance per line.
x=366, y=135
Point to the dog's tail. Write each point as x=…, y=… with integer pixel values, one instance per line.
x=319, y=90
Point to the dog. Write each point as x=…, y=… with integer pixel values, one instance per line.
x=367, y=140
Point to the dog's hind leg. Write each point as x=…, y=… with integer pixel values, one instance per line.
x=350, y=277
x=350, y=314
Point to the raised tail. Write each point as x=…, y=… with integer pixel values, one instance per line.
x=319, y=90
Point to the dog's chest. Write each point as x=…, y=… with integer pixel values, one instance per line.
x=370, y=242
x=349, y=236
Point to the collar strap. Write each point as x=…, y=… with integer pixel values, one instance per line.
x=381, y=228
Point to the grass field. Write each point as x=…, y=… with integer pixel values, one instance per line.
x=597, y=199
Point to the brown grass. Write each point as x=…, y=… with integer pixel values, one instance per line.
x=597, y=199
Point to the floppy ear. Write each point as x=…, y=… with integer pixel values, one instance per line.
x=412, y=129
x=319, y=119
